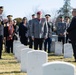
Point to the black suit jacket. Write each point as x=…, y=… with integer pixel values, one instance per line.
x=22, y=30
x=6, y=34
x=72, y=30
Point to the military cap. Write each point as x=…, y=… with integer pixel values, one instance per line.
x=47, y=15
x=33, y=14
x=9, y=16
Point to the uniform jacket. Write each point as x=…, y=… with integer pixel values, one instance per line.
x=50, y=28
x=1, y=26
x=1, y=17
x=1, y=30
x=30, y=28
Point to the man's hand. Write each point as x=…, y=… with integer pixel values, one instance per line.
x=61, y=34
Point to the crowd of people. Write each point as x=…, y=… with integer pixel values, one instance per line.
x=37, y=31
x=8, y=32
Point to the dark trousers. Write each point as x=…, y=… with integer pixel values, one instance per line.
x=24, y=40
x=30, y=42
x=66, y=38
x=38, y=42
x=47, y=41
x=1, y=42
x=9, y=46
x=74, y=49
x=6, y=43
x=61, y=39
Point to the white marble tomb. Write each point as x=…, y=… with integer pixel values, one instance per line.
x=35, y=60
x=23, y=63
x=58, y=68
x=58, y=48
x=68, y=51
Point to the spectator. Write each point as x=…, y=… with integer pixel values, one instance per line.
x=23, y=31
x=9, y=36
x=61, y=27
x=39, y=31
x=72, y=32
x=16, y=28
x=6, y=32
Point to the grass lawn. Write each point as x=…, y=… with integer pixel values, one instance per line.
x=10, y=66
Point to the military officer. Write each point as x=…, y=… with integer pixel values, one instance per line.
x=50, y=29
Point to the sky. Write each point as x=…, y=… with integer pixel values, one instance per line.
x=22, y=8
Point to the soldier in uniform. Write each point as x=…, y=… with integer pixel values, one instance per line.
x=72, y=32
x=49, y=37
x=29, y=31
x=1, y=30
x=9, y=17
x=39, y=31
x=61, y=27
